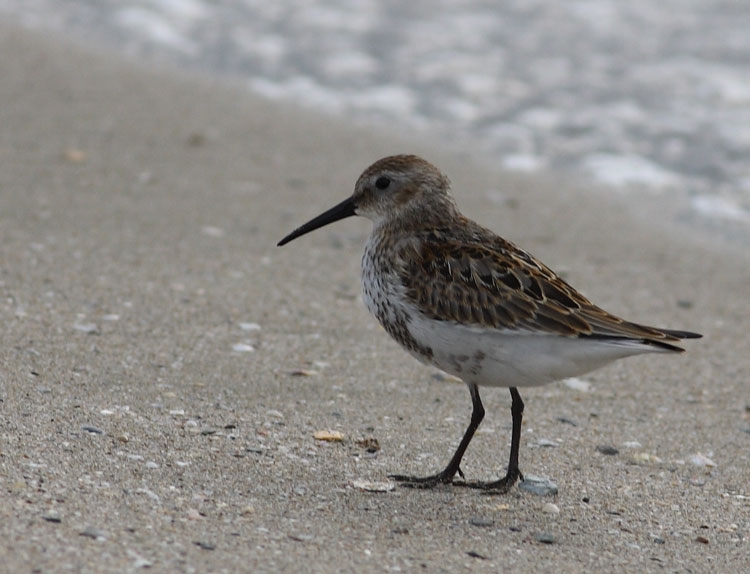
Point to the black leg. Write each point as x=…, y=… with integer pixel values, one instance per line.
x=514, y=472
x=446, y=476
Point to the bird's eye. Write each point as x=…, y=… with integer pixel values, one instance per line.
x=382, y=182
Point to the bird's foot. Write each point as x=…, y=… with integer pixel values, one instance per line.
x=501, y=486
x=444, y=477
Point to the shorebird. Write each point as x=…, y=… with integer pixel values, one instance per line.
x=459, y=297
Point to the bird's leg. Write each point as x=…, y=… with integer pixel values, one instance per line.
x=514, y=473
x=446, y=475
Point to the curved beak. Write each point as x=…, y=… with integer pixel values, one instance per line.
x=341, y=211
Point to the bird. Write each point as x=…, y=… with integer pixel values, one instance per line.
x=461, y=298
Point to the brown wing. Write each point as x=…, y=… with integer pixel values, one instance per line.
x=487, y=281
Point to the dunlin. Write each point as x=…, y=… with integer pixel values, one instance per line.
x=459, y=297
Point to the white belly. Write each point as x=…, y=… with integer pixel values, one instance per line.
x=514, y=359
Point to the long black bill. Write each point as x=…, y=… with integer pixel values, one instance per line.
x=342, y=210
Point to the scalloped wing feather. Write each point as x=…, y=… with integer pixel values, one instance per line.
x=481, y=279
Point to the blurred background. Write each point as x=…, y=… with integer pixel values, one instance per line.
x=648, y=99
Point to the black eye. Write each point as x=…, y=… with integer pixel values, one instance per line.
x=382, y=182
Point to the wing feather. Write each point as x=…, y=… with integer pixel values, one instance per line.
x=484, y=280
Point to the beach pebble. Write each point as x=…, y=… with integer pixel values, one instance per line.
x=607, y=450
x=566, y=421
x=538, y=485
x=544, y=537
x=550, y=508
x=328, y=436
x=699, y=459
x=243, y=348
x=481, y=522
x=578, y=384
x=92, y=429
x=701, y=539
x=645, y=458
x=88, y=328
x=95, y=533
x=303, y=373
x=546, y=443
x=656, y=539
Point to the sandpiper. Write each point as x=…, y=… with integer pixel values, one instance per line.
x=459, y=297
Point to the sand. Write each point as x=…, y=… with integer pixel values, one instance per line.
x=164, y=366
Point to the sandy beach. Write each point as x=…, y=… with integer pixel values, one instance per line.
x=164, y=367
